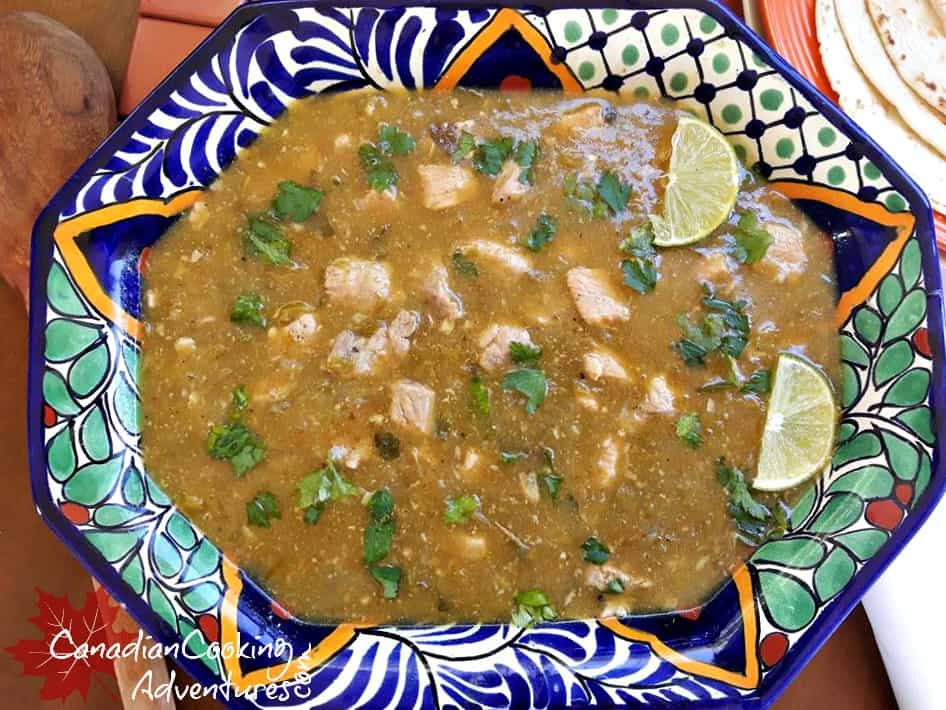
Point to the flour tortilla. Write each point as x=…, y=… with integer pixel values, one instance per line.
x=916, y=45
x=874, y=114
x=868, y=51
x=939, y=7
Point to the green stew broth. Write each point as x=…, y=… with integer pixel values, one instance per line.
x=414, y=357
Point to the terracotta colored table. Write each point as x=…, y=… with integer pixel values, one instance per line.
x=847, y=673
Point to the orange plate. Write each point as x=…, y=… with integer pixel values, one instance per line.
x=790, y=27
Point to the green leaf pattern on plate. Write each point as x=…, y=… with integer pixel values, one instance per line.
x=94, y=465
x=881, y=465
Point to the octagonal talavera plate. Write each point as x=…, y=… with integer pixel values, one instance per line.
x=744, y=644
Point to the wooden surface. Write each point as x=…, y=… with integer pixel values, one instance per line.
x=846, y=674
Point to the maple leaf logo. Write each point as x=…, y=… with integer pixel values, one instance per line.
x=59, y=655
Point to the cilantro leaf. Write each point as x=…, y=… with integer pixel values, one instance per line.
x=594, y=551
x=614, y=192
x=758, y=382
x=240, y=399
x=392, y=141
x=313, y=513
x=323, y=486
x=751, y=241
x=479, y=396
x=463, y=265
x=524, y=353
x=525, y=154
x=690, y=430
x=388, y=445
x=584, y=195
x=389, y=577
x=465, y=146
x=488, y=158
x=296, y=202
x=380, y=531
x=532, y=607
x=460, y=509
x=379, y=170
x=614, y=586
x=511, y=457
x=264, y=238
x=248, y=308
x=381, y=505
x=262, y=509
x=529, y=382
x=552, y=483
x=640, y=271
x=641, y=242
x=755, y=523
x=542, y=234
x=234, y=442
x=639, y=274
x=725, y=330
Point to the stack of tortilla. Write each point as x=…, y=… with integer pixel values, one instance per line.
x=887, y=61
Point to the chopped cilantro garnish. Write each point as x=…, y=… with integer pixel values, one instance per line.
x=380, y=531
x=542, y=234
x=594, y=551
x=324, y=486
x=690, y=430
x=490, y=155
x=264, y=238
x=532, y=607
x=313, y=513
x=463, y=265
x=584, y=195
x=388, y=445
x=552, y=483
x=296, y=202
x=466, y=144
x=525, y=154
x=479, y=396
x=389, y=577
x=529, y=382
x=233, y=441
x=378, y=168
x=759, y=382
x=524, y=353
x=460, y=509
x=750, y=241
x=248, y=308
x=639, y=274
x=240, y=399
x=614, y=586
x=262, y=509
x=376, y=158
x=392, y=141
x=640, y=270
x=510, y=457
x=614, y=192
x=724, y=330
x=755, y=523
x=548, y=476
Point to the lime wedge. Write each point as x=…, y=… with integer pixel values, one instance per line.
x=702, y=183
x=799, y=426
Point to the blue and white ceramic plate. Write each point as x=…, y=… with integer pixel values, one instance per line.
x=745, y=643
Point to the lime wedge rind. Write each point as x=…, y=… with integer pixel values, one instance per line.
x=800, y=426
x=702, y=184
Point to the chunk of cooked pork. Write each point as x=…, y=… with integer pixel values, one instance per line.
x=357, y=283
x=446, y=185
x=499, y=254
x=495, y=342
x=412, y=406
x=597, y=302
